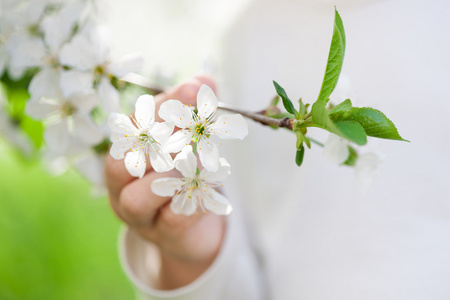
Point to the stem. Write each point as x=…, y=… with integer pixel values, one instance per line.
x=141, y=81
x=194, y=148
x=315, y=142
x=258, y=117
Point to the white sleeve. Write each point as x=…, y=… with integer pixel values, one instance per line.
x=235, y=274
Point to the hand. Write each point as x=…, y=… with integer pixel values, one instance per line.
x=188, y=244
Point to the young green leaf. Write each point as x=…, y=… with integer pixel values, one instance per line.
x=287, y=103
x=352, y=131
x=302, y=138
x=299, y=156
x=335, y=59
x=341, y=107
x=320, y=116
x=374, y=122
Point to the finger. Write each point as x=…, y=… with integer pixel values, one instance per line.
x=169, y=228
x=116, y=176
x=138, y=204
x=169, y=223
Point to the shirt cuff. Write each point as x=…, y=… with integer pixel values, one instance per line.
x=234, y=274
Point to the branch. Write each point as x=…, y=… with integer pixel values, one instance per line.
x=259, y=117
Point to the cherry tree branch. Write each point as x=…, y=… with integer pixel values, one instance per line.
x=259, y=117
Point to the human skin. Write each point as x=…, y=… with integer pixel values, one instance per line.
x=188, y=244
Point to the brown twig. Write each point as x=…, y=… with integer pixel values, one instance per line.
x=259, y=117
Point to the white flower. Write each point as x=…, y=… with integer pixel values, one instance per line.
x=336, y=149
x=38, y=37
x=92, y=166
x=146, y=137
x=68, y=121
x=194, y=190
x=88, y=51
x=198, y=126
x=365, y=167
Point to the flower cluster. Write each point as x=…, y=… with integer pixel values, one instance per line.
x=141, y=136
x=61, y=49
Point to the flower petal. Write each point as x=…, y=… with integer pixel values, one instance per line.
x=119, y=148
x=145, y=111
x=92, y=167
x=40, y=109
x=336, y=149
x=161, y=162
x=73, y=82
x=58, y=27
x=109, y=95
x=44, y=84
x=229, y=127
x=84, y=102
x=129, y=63
x=222, y=173
x=181, y=204
x=166, y=187
x=208, y=154
x=86, y=130
x=121, y=126
x=186, y=162
x=177, y=141
x=161, y=132
x=57, y=136
x=78, y=53
x=206, y=102
x=365, y=168
x=176, y=112
x=26, y=52
x=217, y=203
x=135, y=163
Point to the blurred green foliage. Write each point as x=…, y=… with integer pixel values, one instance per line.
x=57, y=241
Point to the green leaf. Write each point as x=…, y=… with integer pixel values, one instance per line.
x=352, y=131
x=303, y=109
x=320, y=117
x=287, y=103
x=341, y=107
x=374, y=122
x=335, y=59
x=299, y=156
x=302, y=138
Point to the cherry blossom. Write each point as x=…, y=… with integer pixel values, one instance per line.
x=144, y=137
x=195, y=189
x=199, y=125
x=69, y=124
x=88, y=52
x=336, y=148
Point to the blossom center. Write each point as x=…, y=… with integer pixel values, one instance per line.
x=191, y=185
x=145, y=139
x=199, y=130
x=67, y=109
